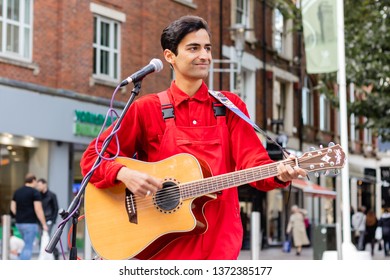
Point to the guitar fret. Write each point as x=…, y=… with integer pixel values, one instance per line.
x=224, y=181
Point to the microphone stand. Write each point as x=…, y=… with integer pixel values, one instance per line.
x=73, y=207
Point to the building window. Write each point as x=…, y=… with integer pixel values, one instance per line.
x=324, y=113
x=279, y=106
x=307, y=104
x=279, y=32
x=367, y=140
x=243, y=14
x=106, y=46
x=16, y=29
x=282, y=34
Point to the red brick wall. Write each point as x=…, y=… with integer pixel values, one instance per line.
x=63, y=34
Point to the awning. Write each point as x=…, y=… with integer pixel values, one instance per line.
x=312, y=189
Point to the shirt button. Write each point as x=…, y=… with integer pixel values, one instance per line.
x=194, y=122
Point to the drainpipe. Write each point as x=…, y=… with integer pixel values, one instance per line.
x=220, y=40
x=264, y=68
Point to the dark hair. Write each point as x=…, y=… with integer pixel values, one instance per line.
x=43, y=181
x=29, y=178
x=178, y=29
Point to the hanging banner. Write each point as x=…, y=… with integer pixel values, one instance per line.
x=319, y=19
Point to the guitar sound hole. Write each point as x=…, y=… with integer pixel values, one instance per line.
x=168, y=198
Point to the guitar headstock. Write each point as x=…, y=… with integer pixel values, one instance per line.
x=332, y=157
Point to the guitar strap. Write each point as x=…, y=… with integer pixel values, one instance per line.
x=230, y=105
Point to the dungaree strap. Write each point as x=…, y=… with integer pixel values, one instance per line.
x=168, y=112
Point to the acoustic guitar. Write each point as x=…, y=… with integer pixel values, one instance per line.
x=124, y=226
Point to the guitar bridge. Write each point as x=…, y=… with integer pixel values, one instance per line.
x=131, y=208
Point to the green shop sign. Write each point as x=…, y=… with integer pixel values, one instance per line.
x=89, y=124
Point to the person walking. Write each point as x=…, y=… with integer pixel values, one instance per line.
x=26, y=207
x=296, y=227
x=384, y=222
x=50, y=208
x=371, y=225
x=359, y=227
x=185, y=119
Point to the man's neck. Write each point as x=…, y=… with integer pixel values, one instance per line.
x=189, y=87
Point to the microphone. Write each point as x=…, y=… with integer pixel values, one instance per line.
x=155, y=65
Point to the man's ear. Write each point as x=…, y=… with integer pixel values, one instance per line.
x=169, y=56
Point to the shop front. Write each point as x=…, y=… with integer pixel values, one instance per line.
x=44, y=132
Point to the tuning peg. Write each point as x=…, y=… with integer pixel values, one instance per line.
x=321, y=146
x=316, y=174
x=326, y=173
x=331, y=144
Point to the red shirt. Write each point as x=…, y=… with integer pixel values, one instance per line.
x=141, y=132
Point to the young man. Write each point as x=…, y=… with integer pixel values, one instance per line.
x=49, y=203
x=50, y=207
x=26, y=205
x=227, y=143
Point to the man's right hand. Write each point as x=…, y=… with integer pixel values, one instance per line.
x=140, y=184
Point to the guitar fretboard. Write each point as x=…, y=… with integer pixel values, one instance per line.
x=229, y=180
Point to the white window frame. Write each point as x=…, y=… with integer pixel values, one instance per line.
x=282, y=39
x=25, y=33
x=324, y=113
x=112, y=16
x=279, y=101
x=367, y=134
x=307, y=105
x=279, y=31
x=113, y=51
x=247, y=19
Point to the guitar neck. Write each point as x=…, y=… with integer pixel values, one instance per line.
x=229, y=180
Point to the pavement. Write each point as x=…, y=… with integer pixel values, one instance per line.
x=276, y=253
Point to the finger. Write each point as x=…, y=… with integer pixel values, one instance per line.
x=155, y=183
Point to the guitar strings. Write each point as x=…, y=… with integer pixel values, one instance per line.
x=194, y=188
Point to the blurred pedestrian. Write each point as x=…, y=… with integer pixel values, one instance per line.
x=371, y=225
x=384, y=222
x=26, y=206
x=16, y=245
x=359, y=227
x=50, y=208
x=296, y=226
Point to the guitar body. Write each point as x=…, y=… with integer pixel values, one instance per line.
x=114, y=236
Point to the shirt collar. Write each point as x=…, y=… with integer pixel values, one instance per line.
x=180, y=96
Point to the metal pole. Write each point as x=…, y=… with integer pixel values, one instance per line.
x=255, y=235
x=87, y=245
x=347, y=247
x=6, y=222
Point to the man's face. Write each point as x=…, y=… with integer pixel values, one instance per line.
x=41, y=187
x=193, y=58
